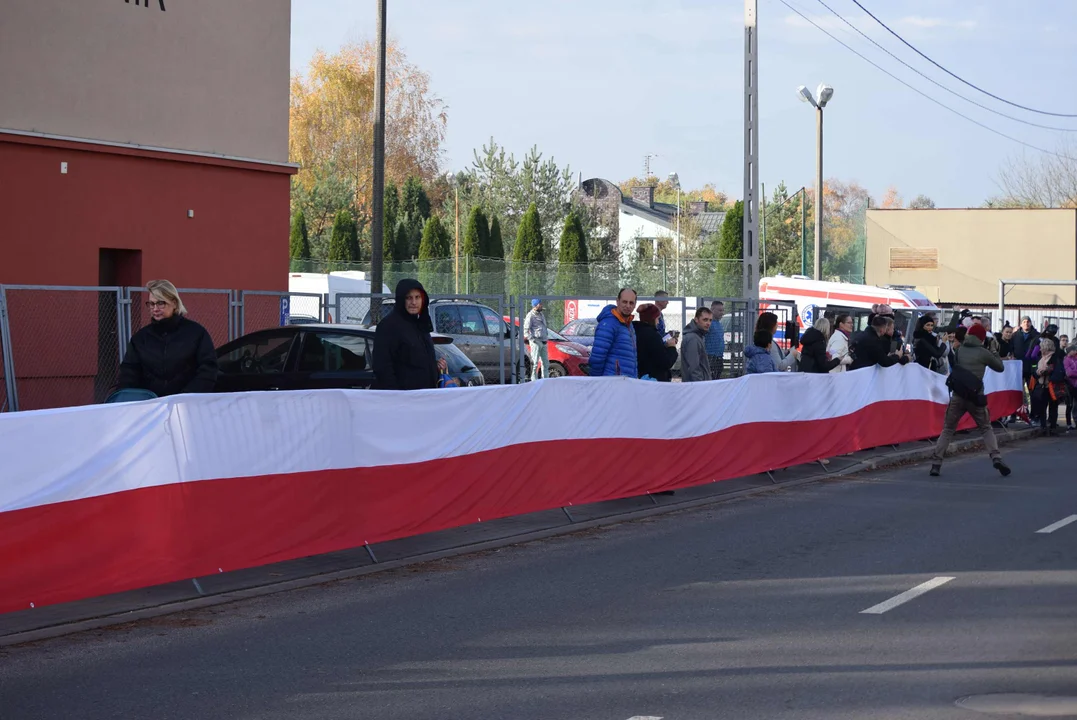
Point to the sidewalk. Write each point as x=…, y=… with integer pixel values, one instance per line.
x=40, y=623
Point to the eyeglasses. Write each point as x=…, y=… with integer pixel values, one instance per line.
x=151, y=304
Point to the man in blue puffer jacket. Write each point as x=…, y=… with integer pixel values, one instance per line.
x=614, y=351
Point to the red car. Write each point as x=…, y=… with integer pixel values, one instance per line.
x=566, y=357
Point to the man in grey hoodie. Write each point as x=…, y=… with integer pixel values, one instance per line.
x=695, y=365
x=973, y=359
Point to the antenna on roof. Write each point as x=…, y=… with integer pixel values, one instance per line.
x=647, y=164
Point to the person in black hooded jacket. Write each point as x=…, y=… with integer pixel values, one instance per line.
x=404, y=356
x=813, y=354
x=926, y=347
x=172, y=354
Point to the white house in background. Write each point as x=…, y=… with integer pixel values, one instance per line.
x=640, y=218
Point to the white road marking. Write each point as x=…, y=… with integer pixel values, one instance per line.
x=645, y=717
x=1060, y=524
x=906, y=596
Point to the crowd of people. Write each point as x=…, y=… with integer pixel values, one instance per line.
x=173, y=354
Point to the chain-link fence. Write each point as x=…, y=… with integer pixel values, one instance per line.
x=62, y=344
x=493, y=276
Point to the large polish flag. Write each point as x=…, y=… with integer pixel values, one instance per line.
x=107, y=498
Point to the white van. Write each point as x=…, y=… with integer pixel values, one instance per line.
x=329, y=286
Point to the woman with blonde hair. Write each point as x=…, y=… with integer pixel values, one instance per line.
x=172, y=354
x=814, y=357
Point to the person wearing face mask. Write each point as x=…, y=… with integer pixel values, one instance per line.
x=172, y=354
x=404, y=357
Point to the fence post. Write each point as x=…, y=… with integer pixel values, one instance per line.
x=121, y=331
x=501, y=342
x=665, y=276
x=512, y=334
x=8, y=355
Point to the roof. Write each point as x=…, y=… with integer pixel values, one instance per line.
x=710, y=222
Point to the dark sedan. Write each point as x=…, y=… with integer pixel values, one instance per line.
x=315, y=356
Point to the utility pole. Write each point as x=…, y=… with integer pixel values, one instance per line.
x=377, y=226
x=750, y=288
x=803, y=231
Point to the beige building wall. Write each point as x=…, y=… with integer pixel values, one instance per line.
x=960, y=255
x=209, y=76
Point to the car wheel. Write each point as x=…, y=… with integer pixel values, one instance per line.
x=557, y=370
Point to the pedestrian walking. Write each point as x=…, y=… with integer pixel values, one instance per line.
x=715, y=344
x=695, y=363
x=757, y=356
x=404, y=357
x=839, y=343
x=814, y=357
x=172, y=354
x=537, y=335
x=966, y=385
x=614, y=349
x=655, y=353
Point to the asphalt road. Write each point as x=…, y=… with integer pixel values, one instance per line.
x=748, y=609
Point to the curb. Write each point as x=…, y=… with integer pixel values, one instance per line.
x=903, y=457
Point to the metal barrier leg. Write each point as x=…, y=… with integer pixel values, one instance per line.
x=8, y=354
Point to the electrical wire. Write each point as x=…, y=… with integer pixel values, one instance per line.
x=935, y=82
x=921, y=92
x=954, y=75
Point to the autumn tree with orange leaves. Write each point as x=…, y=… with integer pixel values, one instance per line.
x=331, y=134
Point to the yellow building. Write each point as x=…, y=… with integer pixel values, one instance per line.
x=958, y=256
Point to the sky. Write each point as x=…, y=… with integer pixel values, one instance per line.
x=599, y=84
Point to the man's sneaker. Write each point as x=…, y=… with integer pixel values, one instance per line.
x=1002, y=467
x=936, y=470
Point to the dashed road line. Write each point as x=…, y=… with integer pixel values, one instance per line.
x=1060, y=524
x=906, y=596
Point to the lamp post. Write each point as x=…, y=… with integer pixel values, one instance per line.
x=676, y=180
x=825, y=92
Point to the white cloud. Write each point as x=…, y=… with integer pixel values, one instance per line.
x=930, y=22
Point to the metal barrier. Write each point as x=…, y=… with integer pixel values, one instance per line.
x=62, y=345
x=263, y=309
x=8, y=394
x=562, y=311
x=212, y=309
x=475, y=322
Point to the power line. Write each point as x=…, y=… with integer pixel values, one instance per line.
x=935, y=82
x=921, y=92
x=955, y=76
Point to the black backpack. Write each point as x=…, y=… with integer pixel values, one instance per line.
x=963, y=383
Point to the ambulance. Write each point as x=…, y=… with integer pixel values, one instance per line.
x=816, y=298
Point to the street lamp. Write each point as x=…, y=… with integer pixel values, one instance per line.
x=825, y=92
x=676, y=180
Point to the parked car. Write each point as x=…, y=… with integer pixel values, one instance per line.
x=315, y=356
x=581, y=332
x=474, y=328
x=566, y=357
